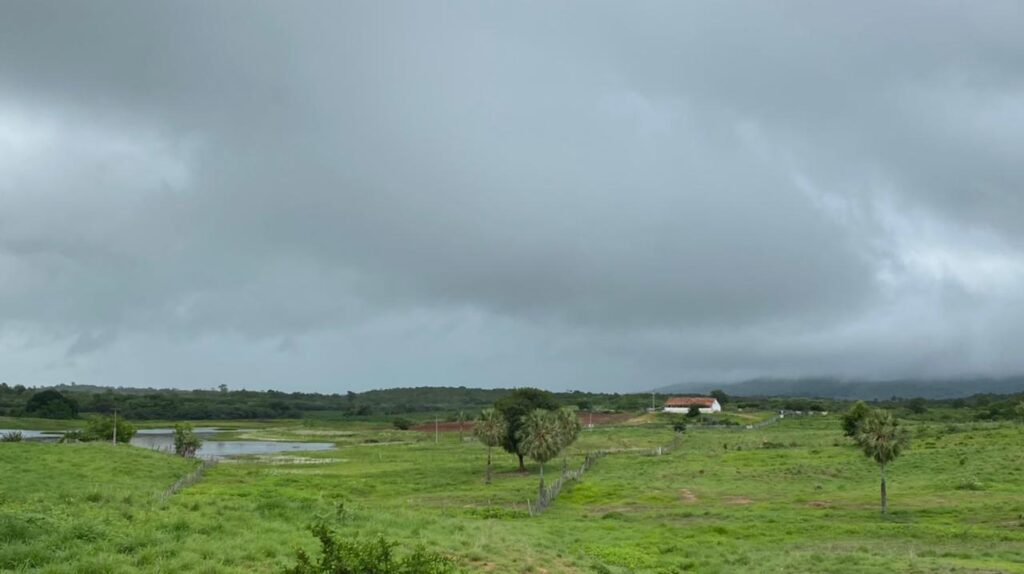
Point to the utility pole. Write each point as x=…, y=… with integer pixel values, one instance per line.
x=115, y=427
x=435, y=430
x=652, y=401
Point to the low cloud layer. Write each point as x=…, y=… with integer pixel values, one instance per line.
x=590, y=195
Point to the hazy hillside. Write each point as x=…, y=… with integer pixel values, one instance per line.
x=847, y=389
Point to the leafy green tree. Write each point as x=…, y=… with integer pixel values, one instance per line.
x=51, y=404
x=1019, y=410
x=917, y=405
x=490, y=428
x=186, y=442
x=720, y=395
x=679, y=425
x=401, y=423
x=102, y=428
x=693, y=412
x=541, y=437
x=883, y=439
x=852, y=419
x=515, y=407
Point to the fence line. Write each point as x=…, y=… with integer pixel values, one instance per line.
x=738, y=427
x=548, y=493
x=189, y=479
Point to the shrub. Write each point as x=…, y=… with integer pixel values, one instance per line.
x=367, y=557
x=970, y=483
x=72, y=436
x=186, y=443
x=102, y=428
x=12, y=436
x=401, y=424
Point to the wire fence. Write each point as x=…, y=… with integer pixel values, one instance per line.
x=548, y=493
x=190, y=478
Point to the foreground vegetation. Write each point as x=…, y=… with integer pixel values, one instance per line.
x=792, y=496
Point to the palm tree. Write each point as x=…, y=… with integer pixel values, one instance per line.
x=569, y=428
x=568, y=424
x=883, y=439
x=490, y=429
x=540, y=438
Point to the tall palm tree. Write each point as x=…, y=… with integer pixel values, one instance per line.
x=568, y=424
x=883, y=439
x=569, y=428
x=540, y=438
x=490, y=428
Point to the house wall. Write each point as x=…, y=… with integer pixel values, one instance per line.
x=714, y=408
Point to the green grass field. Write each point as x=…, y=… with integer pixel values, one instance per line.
x=791, y=497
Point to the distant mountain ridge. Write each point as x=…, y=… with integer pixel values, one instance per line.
x=834, y=388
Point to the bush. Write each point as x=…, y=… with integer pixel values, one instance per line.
x=12, y=436
x=401, y=424
x=72, y=436
x=186, y=443
x=971, y=483
x=367, y=557
x=102, y=428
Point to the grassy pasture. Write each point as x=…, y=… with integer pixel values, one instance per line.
x=790, y=497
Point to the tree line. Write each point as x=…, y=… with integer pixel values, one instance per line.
x=225, y=403
x=69, y=401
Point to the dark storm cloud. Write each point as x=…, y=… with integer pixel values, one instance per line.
x=603, y=195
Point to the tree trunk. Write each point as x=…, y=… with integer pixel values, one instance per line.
x=487, y=477
x=885, y=501
x=522, y=467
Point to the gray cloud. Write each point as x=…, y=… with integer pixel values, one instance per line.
x=593, y=195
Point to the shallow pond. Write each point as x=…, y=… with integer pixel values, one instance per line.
x=163, y=440
x=43, y=435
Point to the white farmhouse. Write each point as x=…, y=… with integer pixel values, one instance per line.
x=682, y=404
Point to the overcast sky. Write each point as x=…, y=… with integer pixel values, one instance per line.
x=575, y=195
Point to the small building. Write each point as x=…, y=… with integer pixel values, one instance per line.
x=706, y=405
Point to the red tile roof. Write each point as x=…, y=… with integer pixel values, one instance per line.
x=690, y=401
